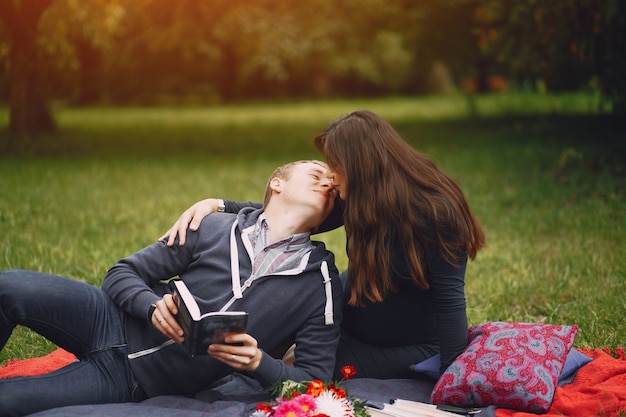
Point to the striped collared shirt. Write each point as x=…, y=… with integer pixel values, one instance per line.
x=280, y=256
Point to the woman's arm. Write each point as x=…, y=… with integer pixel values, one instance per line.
x=191, y=218
x=448, y=290
x=334, y=219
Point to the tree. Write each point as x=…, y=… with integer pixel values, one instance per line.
x=29, y=111
x=563, y=44
x=47, y=38
x=609, y=52
x=77, y=35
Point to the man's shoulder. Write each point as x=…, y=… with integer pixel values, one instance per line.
x=320, y=253
x=216, y=223
x=320, y=247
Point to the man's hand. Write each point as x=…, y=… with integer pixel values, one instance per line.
x=246, y=357
x=192, y=218
x=164, y=321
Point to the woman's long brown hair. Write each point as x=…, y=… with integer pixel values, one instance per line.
x=394, y=193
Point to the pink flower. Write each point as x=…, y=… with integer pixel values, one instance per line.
x=314, y=398
x=289, y=409
x=306, y=402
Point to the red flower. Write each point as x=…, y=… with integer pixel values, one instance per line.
x=315, y=388
x=348, y=372
x=338, y=391
x=264, y=407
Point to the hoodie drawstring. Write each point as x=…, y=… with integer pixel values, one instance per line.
x=328, y=310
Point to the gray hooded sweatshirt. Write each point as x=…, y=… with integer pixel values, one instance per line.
x=302, y=306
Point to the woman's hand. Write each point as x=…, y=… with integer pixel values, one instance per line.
x=164, y=321
x=192, y=218
x=246, y=357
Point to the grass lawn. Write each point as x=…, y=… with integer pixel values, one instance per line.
x=544, y=174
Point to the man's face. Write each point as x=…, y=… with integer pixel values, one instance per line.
x=310, y=183
x=340, y=183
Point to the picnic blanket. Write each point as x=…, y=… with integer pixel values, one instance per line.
x=599, y=389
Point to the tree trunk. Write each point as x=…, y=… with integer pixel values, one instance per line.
x=29, y=111
x=228, y=75
x=482, y=75
x=89, y=85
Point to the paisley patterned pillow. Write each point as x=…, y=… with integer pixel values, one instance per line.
x=509, y=365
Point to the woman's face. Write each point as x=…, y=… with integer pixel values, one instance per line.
x=339, y=182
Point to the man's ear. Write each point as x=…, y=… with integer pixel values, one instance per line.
x=276, y=184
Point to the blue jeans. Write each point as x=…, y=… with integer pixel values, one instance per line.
x=78, y=317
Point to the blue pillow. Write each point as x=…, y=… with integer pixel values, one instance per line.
x=574, y=361
x=429, y=367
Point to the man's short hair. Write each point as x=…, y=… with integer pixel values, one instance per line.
x=284, y=172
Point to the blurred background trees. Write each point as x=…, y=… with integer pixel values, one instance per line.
x=150, y=52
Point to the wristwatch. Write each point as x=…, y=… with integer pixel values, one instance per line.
x=153, y=307
x=221, y=207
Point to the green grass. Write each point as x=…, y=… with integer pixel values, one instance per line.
x=544, y=174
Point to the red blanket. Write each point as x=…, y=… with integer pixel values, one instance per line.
x=36, y=366
x=599, y=388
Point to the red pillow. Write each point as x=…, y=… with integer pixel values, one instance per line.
x=509, y=365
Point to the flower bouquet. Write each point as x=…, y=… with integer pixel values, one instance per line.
x=312, y=399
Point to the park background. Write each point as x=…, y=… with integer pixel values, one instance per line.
x=116, y=115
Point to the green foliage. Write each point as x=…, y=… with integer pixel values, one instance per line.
x=558, y=45
x=544, y=174
x=163, y=52
x=144, y=51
